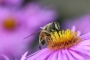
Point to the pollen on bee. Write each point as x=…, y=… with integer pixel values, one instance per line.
x=63, y=39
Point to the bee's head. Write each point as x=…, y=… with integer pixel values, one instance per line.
x=54, y=26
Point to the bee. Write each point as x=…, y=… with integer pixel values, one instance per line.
x=45, y=33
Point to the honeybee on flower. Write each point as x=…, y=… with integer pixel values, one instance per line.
x=64, y=45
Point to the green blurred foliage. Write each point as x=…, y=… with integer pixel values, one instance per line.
x=69, y=8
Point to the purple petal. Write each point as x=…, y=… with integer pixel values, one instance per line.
x=34, y=53
x=24, y=56
x=73, y=28
x=60, y=57
x=76, y=56
x=85, y=36
x=64, y=56
x=38, y=52
x=53, y=56
x=43, y=53
x=79, y=33
x=78, y=49
x=85, y=43
x=70, y=57
x=79, y=52
x=86, y=48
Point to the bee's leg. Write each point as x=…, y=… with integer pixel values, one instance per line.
x=58, y=33
x=39, y=43
x=43, y=42
x=40, y=46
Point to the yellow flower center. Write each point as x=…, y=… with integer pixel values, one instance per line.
x=9, y=24
x=63, y=39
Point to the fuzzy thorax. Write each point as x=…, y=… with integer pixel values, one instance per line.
x=63, y=39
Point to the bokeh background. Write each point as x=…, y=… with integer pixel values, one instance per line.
x=20, y=18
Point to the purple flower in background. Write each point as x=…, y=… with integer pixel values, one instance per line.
x=37, y=14
x=11, y=2
x=82, y=23
x=15, y=25
x=65, y=45
x=3, y=57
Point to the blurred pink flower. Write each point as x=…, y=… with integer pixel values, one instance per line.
x=80, y=51
x=11, y=2
x=37, y=14
x=15, y=25
x=82, y=23
x=3, y=57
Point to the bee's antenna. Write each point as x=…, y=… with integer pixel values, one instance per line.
x=31, y=34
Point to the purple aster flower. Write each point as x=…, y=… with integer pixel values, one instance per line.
x=82, y=23
x=65, y=45
x=15, y=25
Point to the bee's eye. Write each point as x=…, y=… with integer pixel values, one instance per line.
x=52, y=26
x=45, y=28
x=55, y=26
